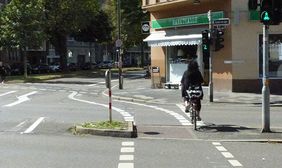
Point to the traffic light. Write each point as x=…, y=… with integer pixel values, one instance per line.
x=218, y=39
x=270, y=12
x=206, y=43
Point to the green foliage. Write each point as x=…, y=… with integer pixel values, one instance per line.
x=64, y=17
x=21, y=24
x=131, y=18
x=106, y=125
x=68, y=16
x=98, y=30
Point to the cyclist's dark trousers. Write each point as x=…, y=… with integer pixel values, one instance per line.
x=198, y=104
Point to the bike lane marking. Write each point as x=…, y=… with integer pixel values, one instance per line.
x=126, y=157
x=127, y=116
x=180, y=118
x=21, y=99
x=182, y=108
x=227, y=155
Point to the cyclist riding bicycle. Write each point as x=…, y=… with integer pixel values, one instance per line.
x=192, y=77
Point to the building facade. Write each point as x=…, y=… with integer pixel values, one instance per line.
x=176, y=27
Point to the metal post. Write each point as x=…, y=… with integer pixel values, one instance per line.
x=108, y=77
x=210, y=59
x=265, y=88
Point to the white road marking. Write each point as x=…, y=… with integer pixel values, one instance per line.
x=18, y=127
x=227, y=155
x=34, y=125
x=177, y=116
x=127, y=144
x=182, y=108
x=22, y=123
x=235, y=163
x=126, y=157
x=126, y=149
x=126, y=115
x=221, y=148
x=4, y=94
x=216, y=143
x=126, y=165
x=21, y=99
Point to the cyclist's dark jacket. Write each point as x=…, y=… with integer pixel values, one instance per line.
x=191, y=77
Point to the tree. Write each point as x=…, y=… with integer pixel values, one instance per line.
x=64, y=17
x=131, y=18
x=21, y=26
x=98, y=30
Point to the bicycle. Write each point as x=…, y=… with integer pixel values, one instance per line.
x=195, y=93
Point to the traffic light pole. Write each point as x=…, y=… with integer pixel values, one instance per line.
x=265, y=88
x=210, y=60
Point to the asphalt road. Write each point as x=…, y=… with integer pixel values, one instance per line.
x=35, y=118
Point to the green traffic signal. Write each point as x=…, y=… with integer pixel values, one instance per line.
x=265, y=16
x=205, y=47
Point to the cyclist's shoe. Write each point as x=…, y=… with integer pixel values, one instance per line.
x=199, y=118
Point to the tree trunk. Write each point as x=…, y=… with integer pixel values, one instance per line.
x=24, y=61
x=60, y=44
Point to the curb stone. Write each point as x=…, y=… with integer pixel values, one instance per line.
x=130, y=132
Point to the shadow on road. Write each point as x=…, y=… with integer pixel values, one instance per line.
x=223, y=128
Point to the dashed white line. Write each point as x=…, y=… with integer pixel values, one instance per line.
x=221, y=148
x=227, y=155
x=126, y=158
x=126, y=149
x=235, y=163
x=126, y=165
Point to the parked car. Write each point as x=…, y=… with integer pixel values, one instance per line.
x=18, y=69
x=86, y=66
x=106, y=64
x=72, y=66
x=41, y=68
x=55, y=67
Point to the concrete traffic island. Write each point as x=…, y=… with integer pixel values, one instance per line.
x=129, y=132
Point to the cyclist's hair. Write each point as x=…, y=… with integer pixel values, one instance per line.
x=193, y=66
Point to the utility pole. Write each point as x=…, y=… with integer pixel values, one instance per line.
x=210, y=58
x=265, y=88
